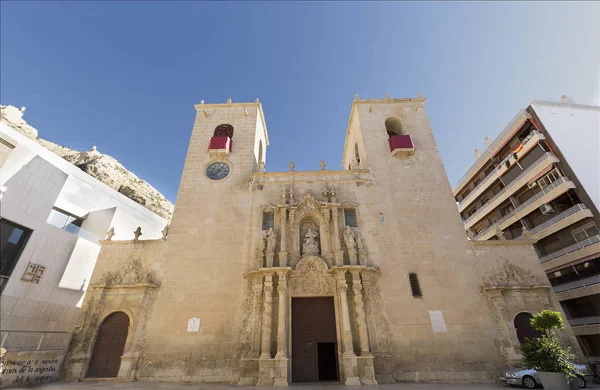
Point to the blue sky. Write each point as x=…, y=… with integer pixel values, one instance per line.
x=125, y=76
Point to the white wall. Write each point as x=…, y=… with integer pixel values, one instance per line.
x=81, y=265
x=576, y=131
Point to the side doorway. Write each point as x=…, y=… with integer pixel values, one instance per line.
x=108, y=349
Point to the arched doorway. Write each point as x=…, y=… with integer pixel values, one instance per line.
x=524, y=329
x=110, y=343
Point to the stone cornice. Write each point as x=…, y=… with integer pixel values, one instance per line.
x=532, y=287
x=299, y=177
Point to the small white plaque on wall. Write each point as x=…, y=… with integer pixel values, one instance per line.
x=193, y=325
x=437, y=321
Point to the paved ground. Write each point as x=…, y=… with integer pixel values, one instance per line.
x=333, y=386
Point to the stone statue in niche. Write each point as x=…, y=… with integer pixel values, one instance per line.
x=260, y=252
x=271, y=238
x=350, y=241
x=349, y=238
x=311, y=246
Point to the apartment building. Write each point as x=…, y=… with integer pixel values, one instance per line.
x=52, y=219
x=540, y=179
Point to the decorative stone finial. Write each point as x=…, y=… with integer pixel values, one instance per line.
x=291, y=165
x=419, y=95
x=110, y=233
x=356, y=97
x=94, y=148
x=165, y=232
x=387, y=96
x=22, y=109
x=137, y=233
x=201, y=101
x=322, y=165
x=229, y=101
x=257, y=101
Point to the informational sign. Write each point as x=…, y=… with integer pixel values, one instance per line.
x=193, y=325
x=437, y=321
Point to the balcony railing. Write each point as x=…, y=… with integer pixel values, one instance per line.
x=571, y=248
x=494, y=173
x=522, y=206
x=510, y=185
x=32, y=340
x=594, y=279
x=593, y=320
x=555, y=219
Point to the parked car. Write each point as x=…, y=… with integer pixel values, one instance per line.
x=529, y=378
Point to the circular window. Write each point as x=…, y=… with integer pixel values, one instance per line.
x=217, y=171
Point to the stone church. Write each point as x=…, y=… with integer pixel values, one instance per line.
x=362, y=275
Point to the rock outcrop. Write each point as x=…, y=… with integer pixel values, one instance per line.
x=100, y=166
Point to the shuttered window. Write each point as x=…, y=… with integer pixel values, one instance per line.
x=415, y=287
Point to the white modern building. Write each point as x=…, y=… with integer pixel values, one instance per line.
x=540, y=180
x=52, y=217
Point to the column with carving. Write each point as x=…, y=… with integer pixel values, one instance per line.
x=257, y=288
x=342, y=287
x=361, y=318
x=267, y=317
x=338, y=253
x=283, y=254
x=282, y=317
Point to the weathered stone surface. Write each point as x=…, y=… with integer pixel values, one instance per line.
x=100, y=166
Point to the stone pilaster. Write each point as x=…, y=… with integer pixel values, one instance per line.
x=361, y=318
x=283, y=254
x=257, y=288
x=267, y=317
x=338, y=254
x=342, y=287
x=282, y=288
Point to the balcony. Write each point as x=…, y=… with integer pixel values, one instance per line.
x=585, y=325
x=584, y=321
x=219, y=145
x=401, y=145
x=578, y=288
x=560, y=221
x=528, y=143
x=544, y=196
x=529, y=173
x=588, y=242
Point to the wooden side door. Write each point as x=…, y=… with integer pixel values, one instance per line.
x=109, y=347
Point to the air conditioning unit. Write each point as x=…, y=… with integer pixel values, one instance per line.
x=546, y=209
x=532, y=184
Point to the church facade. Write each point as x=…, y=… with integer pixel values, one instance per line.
x=362, y=275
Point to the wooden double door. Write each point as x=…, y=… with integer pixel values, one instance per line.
x=109, y=347
x=314, y=341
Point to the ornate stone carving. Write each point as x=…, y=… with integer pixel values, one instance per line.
x=508, y=274
x=311, y=245
x=322, y=165
x=137, y=233
x=374, y=308
x=259, y=256
x=362, y=252
x=291, y=166
x=110, y=233
x=359, y=307
x=311, y=278
x=132, y=273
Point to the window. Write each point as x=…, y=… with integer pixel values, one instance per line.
x=223, y=130
x=393, y=126
x=350, y=218
x=356, y=154
x=586, y=231
x=13, y=238
x=64, y=220
x=415, y=287
x=268, y=220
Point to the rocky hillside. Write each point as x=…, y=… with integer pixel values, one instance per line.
x=101, y=166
